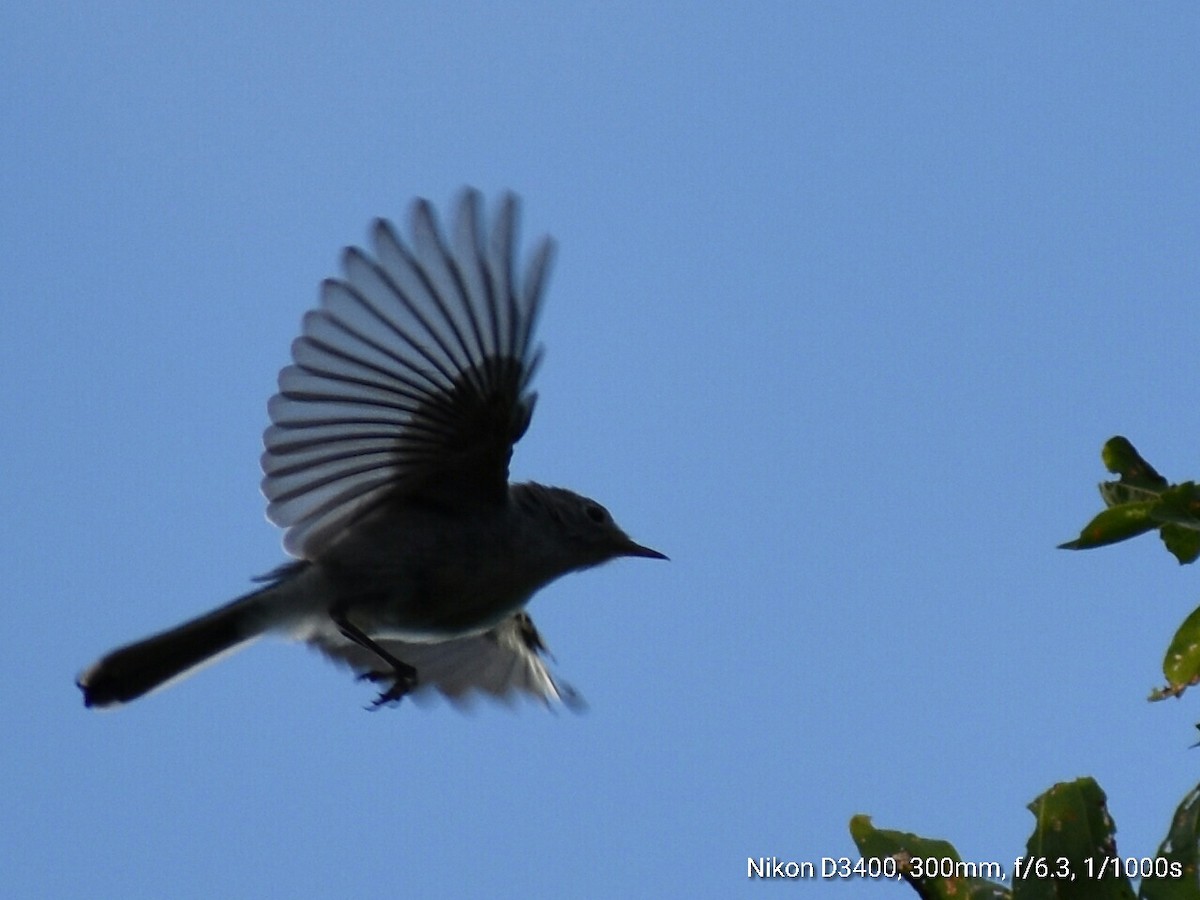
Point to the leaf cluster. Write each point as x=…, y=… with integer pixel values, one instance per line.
x=1072, y=851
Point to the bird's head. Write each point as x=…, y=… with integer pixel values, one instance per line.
x=584, y=531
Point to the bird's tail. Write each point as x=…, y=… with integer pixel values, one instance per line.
x=136, y=669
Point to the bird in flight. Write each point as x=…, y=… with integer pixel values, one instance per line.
x=386, y=462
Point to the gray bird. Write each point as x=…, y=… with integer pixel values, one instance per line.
x=387, y=464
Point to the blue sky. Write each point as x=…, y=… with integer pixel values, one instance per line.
x=848, y=297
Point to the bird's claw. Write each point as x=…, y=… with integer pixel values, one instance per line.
x=404, y=681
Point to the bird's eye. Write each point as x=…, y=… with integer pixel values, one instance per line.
x=596, y=513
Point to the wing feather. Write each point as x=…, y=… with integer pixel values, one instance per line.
x=410, y=380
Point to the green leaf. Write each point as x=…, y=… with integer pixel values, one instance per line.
x=1179, y=509
x=1141, y=501
x=1180, y=504
x=1072, y=850
x=1139, y=481
x=1181, y=664
x=1183, y=543
x=1116, y=493
x=1175, y=867
x=932, y=867
x=1118, y=523
x=1122, y=459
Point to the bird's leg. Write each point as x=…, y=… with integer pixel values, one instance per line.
x=404, y=676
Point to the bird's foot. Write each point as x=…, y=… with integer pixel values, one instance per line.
x=403, y=680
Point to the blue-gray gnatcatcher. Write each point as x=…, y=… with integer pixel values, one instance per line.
x=387, y=463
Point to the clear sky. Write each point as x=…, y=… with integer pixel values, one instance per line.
x=848, y=297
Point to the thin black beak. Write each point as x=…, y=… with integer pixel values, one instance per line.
x=634, y=549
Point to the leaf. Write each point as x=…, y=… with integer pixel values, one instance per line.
x=1179, y=510
x=915, y=858
x=1141, y=501
x=1121, y=458
x=1177, y=878
x=1116, y=493
x=1183, y=543
x=1117, y=523
x=1074, y=838
x=1180, y=504
x=1181, y=664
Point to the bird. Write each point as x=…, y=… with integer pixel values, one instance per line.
x=386, y=462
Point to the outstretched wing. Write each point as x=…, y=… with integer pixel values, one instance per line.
x=410, y=380
x=503, y=663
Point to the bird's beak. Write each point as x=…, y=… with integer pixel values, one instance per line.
x=635, y=549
